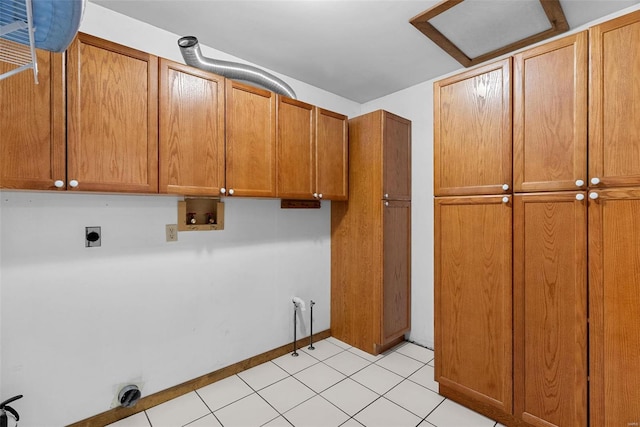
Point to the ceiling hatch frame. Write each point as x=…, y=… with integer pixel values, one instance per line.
x=552, y=9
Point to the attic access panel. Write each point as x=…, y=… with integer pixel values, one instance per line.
x=474, y=31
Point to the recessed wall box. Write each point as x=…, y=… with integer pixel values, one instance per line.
x=200, y=214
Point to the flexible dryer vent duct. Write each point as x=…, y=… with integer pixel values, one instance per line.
x=192, y=55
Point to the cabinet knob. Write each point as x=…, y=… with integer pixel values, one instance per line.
x=73, y=183
x=386, y=203
x=315, y=195
x=579, y=183
x=320, y=196
x=595, y=180
x=580, y=197
x=231, y=191
x=505, y=199
x=505, y=187
x=386, y=195
x=593, y=196
x=223, y=190
x=59, y=183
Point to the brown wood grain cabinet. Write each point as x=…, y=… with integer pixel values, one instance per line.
x=331, y=155
x=472, y=122
x=33, y=146
x=122, y=120
x=576, y=334
x=296, y=156
x=250, y=141
x=312, y=152
x=191, y=130
x=371, y=237
x=614, y=324
x=614, y=102
x=550, y=308
x=614, y=237
x=550, y=116
x=112, y=117
x=473, y=300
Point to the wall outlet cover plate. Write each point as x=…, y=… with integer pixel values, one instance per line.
x=92, y=237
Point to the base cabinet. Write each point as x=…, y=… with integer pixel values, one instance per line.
x=473, y=300
x=550, y=309
x=614, y=293
x=396, y=271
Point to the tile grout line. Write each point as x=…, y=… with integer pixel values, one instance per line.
x=210, y=410
x=433, y=410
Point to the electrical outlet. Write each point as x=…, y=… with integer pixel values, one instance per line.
x=92, y=237
x=172, y=232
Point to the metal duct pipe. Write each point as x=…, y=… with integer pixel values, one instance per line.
x=192, y=55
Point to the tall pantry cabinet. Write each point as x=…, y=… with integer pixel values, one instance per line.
x=473, y=296
x=614, y=210
x=371, y=236
x=574, y=237
x=550, y=233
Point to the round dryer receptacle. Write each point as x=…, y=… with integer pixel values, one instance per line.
x=129, y=396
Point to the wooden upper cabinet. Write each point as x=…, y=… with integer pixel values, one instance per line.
x=191, y=123
x=550, y=309
x=473, y=300
x=614, y=324
x=32, y=128
x=614, y=102
x=112, y=117
x=396, y=157
x=296, y=155
x=472, y=132
x=332, y=155
x=250, y=141
x=550, y=116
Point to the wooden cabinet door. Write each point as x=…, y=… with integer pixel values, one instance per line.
x=614, y=102
x=550, y=116
x=396, y=157
x=296, y=149
x=191, y=123
x=332, y=155
x=32, y=128
x=614, y=293
x=472, y=131
x=473, y=301
x=396, y=266
x=251, y=141
x=550, y=309
x=112, y=120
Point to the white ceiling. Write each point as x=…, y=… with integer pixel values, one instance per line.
x=358, y=49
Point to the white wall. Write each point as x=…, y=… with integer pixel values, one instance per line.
x=76, y=322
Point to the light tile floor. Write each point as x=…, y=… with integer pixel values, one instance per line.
x=333, y=385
